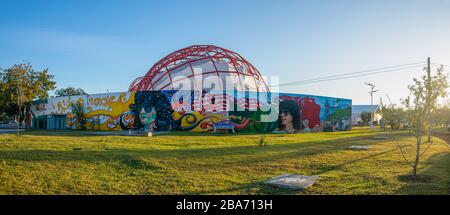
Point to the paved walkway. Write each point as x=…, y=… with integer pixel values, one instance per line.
x=9, y=131
x=443, y=135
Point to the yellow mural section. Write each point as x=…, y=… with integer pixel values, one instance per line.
x=102, y=111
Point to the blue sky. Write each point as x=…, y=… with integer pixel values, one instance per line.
x=104, y=45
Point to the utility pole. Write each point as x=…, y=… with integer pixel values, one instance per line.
x=428, y=98
x=372, y=87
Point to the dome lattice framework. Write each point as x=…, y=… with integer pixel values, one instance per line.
x=207, y=60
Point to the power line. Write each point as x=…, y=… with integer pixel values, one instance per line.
x=347, y=74
x=353, y=74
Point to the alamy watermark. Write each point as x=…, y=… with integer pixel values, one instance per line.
x=216, y=93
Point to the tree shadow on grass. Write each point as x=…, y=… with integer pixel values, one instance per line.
x=335, y=167
x=260, y=188
x=434, y=179
x=257, y=187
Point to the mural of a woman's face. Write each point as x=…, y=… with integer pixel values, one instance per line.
x=289, y=115
x=286, y=118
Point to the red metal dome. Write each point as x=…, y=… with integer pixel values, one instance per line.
x=209, y=60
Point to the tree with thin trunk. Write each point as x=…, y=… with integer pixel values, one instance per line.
x=19, y=106
x=424, y=93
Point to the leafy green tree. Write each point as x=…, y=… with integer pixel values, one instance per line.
x=20, y=85
x=392, y=115
x=441, y=116
x=445, y=116
x=78, y=111
x=69, y=91
x=365, y=117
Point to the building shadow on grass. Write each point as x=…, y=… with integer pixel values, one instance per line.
x=71, y=133
x=286, y=150
x=338, y=166
x=88, y=133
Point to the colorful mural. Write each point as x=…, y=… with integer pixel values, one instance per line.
x=102, y=111
x=316, y=113
x=173, y=110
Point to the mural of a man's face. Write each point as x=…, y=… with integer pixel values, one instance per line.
x=286, y=118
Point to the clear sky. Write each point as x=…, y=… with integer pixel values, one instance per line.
x=104, y=45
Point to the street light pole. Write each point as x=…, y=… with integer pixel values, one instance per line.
x=372, y=87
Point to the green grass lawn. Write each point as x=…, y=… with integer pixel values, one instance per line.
x=40, y=162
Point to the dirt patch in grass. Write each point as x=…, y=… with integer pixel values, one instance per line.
x=140, y=163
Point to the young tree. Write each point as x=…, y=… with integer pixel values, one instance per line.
x=20, y=101
x=422, y=99
x=20, y=85
x=69, y=91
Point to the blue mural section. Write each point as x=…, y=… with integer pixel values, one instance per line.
x=322, y=113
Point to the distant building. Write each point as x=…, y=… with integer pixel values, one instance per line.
x=357, y=110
